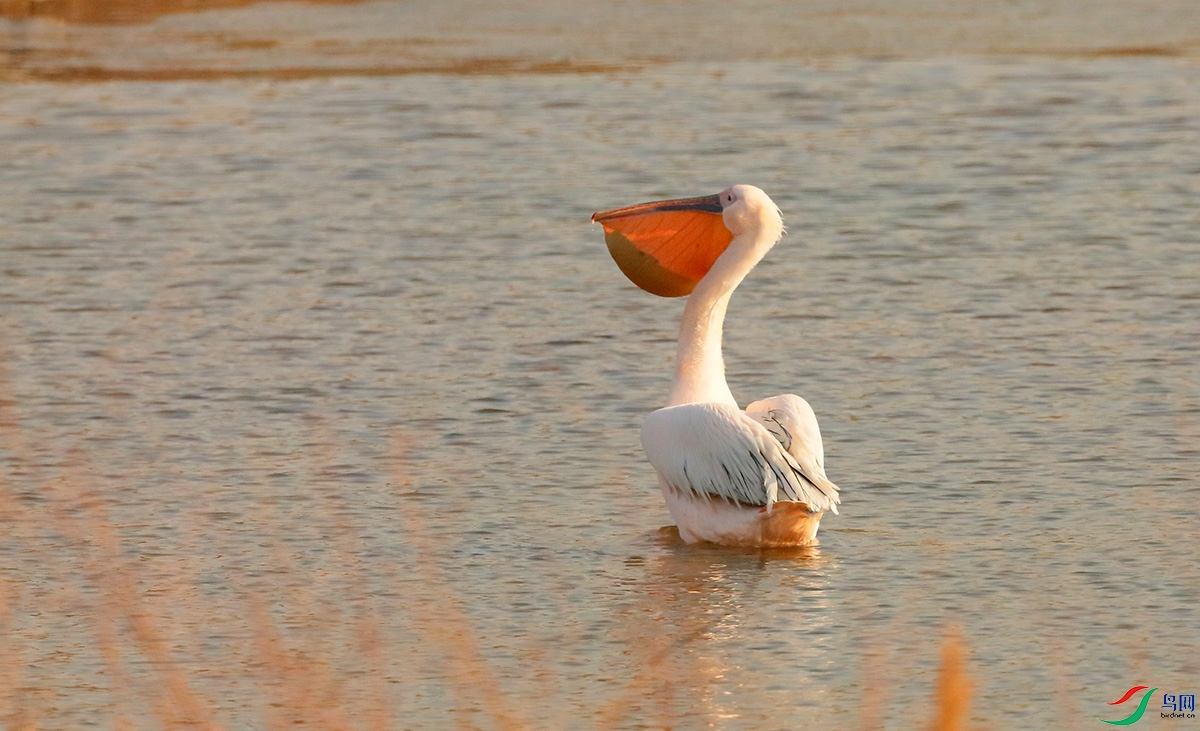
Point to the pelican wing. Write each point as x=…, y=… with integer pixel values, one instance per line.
x=791, y=420
x=720, y=451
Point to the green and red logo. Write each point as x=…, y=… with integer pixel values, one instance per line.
x=1141, y=709
x=1181, y=705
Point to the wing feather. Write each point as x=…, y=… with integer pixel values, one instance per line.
x=792, y=422
x=720, y=451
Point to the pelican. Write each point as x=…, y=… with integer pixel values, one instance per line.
x=738, y=478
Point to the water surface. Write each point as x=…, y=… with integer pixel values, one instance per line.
x=343, y=359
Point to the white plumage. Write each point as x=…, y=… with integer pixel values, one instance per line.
x=747, y=478
x=717, y=451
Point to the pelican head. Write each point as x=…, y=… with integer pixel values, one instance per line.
x=666, y=247
x=751, y=215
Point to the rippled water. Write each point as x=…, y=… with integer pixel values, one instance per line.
x=350, y=350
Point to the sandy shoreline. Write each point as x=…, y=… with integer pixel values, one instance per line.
x=165, y=40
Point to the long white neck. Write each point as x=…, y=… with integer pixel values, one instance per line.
x=699, y=368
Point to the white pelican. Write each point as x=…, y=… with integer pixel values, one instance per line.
x=738, y=478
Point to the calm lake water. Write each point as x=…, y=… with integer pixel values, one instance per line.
x=343, y=359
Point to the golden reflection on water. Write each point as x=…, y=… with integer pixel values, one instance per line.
x=325, y=665
x=691, y=606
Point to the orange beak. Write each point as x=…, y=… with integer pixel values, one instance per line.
x=666, y=247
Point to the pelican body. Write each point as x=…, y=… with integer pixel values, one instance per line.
x=753, y=477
